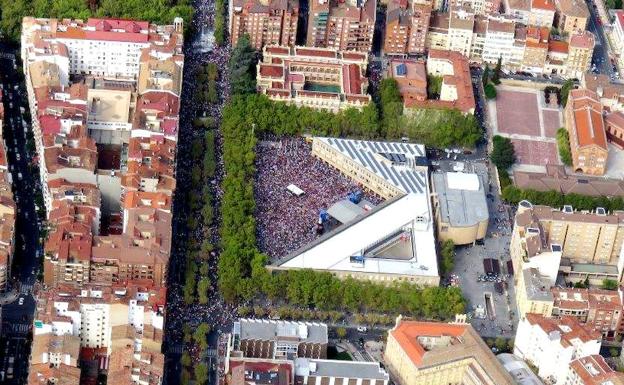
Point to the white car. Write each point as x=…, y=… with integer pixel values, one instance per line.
x=21, y=301
x=17, y=156
x=362, y=329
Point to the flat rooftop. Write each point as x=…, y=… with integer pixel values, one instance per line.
x=340, y=369
x=537, y=286
x=462, y=198
x=269, y=330
x=108, y=105
x=351, y=247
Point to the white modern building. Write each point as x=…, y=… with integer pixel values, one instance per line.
x=552, y=344
x=500, y=42
x=393, y=241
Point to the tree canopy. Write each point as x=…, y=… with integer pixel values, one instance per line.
x=157, y=11
x=503, y=154
x=242, y=271
x=554, y=198
x=242, y=67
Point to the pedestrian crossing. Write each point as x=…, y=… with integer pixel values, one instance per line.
x=211, y=352
x=26, y=288
x=176, y=349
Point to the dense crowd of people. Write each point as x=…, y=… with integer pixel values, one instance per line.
x=216, y=313
x=285, y=221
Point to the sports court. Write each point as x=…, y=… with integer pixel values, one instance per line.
x=522, y=115
x=517, y=113
x=532, y=152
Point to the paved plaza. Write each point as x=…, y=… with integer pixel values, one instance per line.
x=522, y=115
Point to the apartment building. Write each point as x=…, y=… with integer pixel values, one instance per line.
x=577, y=244
x=281, y=353
x=437, y=35
x=461, y=25
x=111, y=134
x=585, y=126
x=557, y=57
x=266, y=22
x=74, y=326
x=103, y=47
x=7, y=214
x=600, y=310
x=439, y=354
x=406, y=27
x=572, y=15
x=581, y=49
x=536, y=49
x=533, y=292
x=344, y=25
x=479, y=7
x=617, y=35
x=519, y=10
x=478, y=39
x=67, y=251
x=552, y=344
x=592, y=370
x=320, y=78
x=505, y=42
x=43, y=374
x=542, y=13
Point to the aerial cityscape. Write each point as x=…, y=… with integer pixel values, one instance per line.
x=311, y=192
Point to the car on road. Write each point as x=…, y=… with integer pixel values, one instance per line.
x=17, y=156
x=21, y=301
x=19, y=175
x=362, y=329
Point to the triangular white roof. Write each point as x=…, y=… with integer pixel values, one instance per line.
x=334, y=250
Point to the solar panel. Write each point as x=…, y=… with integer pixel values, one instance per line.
x=401, y=69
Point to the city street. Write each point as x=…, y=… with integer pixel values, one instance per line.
x=17, y=319
x=601, y=52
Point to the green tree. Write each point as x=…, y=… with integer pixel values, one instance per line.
x=490, y=91
x=203, y=287
x=565, y=91
x=242, y=67
x=434, y=86
x=185, y=377
x=201, y=374
x=609, y=284
x=341, y=332
x=200, y=336
x=186, y=359
x=503, y=154
x=447, y=260
x=563, y=144
x=501, y=344
x=485, y=77
x=497, y=71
